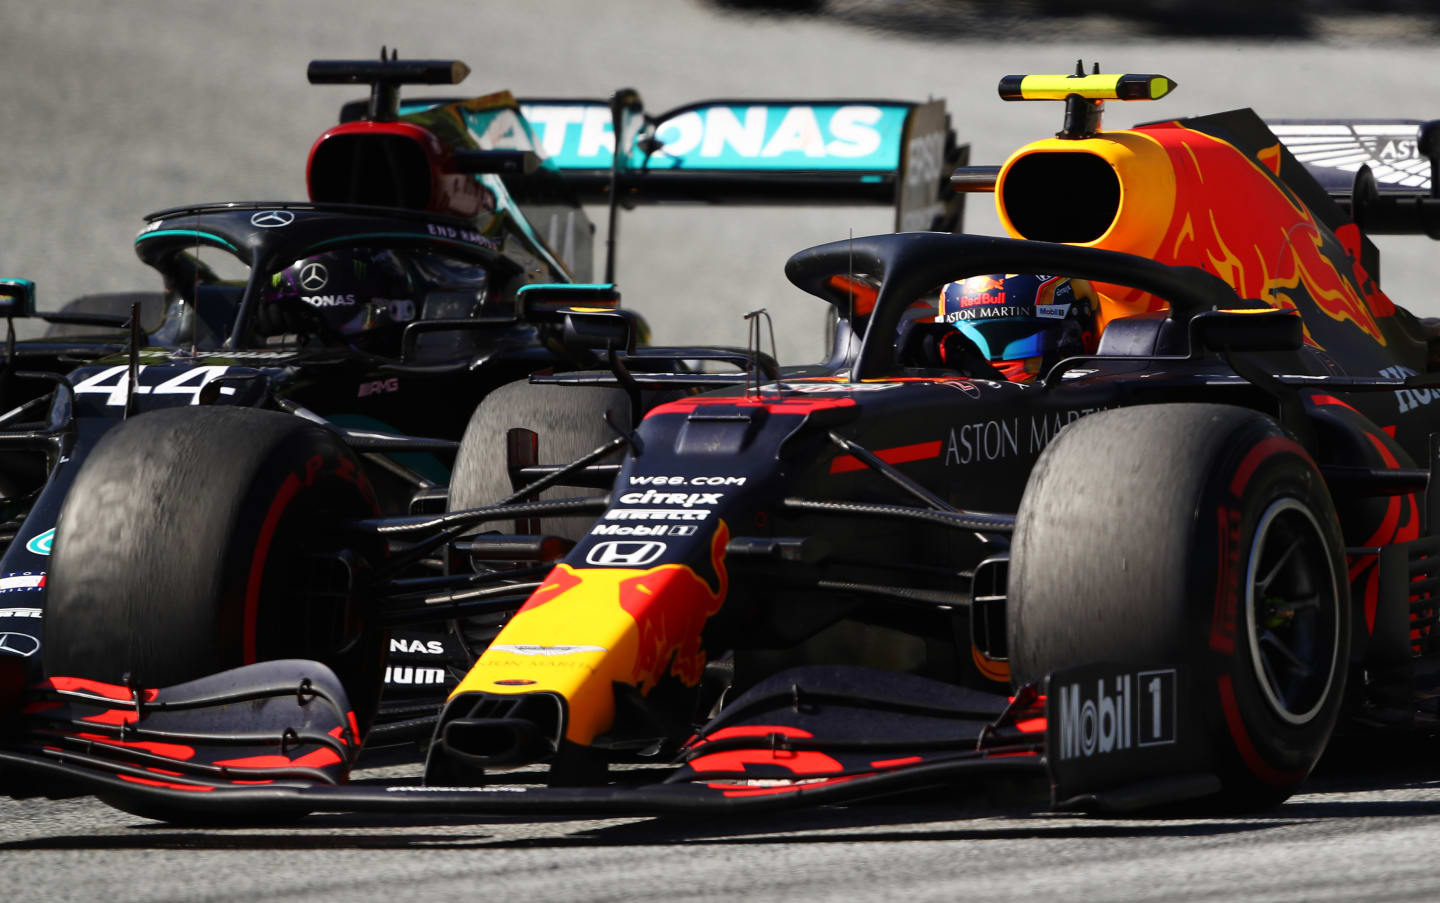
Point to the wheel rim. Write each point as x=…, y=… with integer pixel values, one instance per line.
x=1292, y=611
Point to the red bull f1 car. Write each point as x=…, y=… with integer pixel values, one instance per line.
x=1169, y=569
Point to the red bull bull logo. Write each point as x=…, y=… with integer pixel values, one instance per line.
x=670, y=605
x=1256, y=234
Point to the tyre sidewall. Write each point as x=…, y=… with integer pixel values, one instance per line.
x=1260, y=468
x=309, y=482
x=297, y=493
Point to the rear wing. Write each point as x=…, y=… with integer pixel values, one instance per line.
x=1333, y=150
x=1384, y=172
x=857, y=152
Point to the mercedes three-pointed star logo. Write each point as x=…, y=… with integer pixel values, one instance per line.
x=19, y=644
x=272, y=219
x=313, y=277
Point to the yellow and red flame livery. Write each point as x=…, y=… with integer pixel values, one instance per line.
x=618, y=625
x=1178, y=194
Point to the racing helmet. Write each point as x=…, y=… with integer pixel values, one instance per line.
x=355, y=296
x=1022, y=322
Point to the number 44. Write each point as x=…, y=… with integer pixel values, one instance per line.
x=114, y=383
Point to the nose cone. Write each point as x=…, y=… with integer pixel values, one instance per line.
x=587, y=629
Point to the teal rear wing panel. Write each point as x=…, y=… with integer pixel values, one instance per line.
x=730, y=136
x=889, y=153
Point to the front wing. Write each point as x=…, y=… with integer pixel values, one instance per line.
x=277, y=740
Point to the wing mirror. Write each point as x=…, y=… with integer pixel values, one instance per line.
x=541, y=300
x=1265, y=329
x=17, y=298
x=601, y=330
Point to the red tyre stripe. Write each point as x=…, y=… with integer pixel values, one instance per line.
x=1262, y=450
x=257, y=565
x=1243, y=745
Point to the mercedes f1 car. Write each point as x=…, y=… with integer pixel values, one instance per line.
x=443, y=252
x=1166, y=570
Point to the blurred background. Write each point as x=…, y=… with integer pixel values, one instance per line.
x=111, y=110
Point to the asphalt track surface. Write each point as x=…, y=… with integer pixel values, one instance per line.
x=1350, y=838
x=110, y=110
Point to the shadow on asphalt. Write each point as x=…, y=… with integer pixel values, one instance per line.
x=1355, y=765
x=892, y=821
x=654, y=832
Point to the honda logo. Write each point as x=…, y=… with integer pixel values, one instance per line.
x=625, y=554
x=313, y=277
x=272, y=219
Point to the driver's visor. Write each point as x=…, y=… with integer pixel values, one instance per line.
x=1008, y=340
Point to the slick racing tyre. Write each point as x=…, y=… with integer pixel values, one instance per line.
x=198, y=539
x=568, y=422
x=1201, y=536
